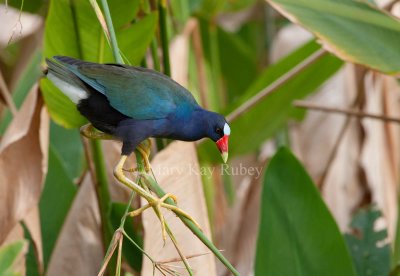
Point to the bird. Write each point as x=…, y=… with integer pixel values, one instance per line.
x=132, y=104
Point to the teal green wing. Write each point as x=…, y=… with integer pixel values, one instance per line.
x=135, y=92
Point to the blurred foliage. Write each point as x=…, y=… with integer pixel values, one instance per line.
x=57, y=196
x=132, y=254
x=31, y=262
x=297, y=233
x=83, y=38
x=271, y=113
x=368, y=247
x=8, y=256
x=28, y=78
x=32, y=6
x=346, y=25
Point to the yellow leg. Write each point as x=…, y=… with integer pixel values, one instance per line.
x=153, y=202
x=144, y=149
x=89, y=131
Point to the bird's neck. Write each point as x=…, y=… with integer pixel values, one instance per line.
x=196, y=126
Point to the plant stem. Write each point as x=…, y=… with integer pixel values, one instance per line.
x=346, y=111
x=275, y=85
x=162, y=8
x=152, y=182
x=103, y=193
x=218, y=93
x=183, y=257
x=154, y=55
x=153, y=45
x=195, y=230
x=113, y=37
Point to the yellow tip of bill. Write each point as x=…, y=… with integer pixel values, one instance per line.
x=224, y=156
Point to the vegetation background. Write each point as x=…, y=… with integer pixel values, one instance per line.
x=310, y=89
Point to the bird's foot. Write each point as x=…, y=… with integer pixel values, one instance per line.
x=157, y=204
x=154, y=202
x=89, y=131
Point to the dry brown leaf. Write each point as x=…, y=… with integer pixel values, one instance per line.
x=179, y=52
x=23, y=162
x=79, y=249
x=380, y=151
x=177, y=171
x=238, y=233
x=16, y=25
x=314, y=138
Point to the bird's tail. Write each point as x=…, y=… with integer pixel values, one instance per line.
x=66, y=81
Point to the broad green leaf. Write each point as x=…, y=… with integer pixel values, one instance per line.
x=131, y=253
x=67, y=144
x=8, y=255
x=61, y=38
x=297, y=234
x=31, y=6
x=235, y=58
x=270, y=114
x=72, y=29
x=56, y=199
x=134, y=40
x=370, y=252
x=238, y=63
x=211, y=8
x=356, y=31
x=61, y=109
x=31, y=262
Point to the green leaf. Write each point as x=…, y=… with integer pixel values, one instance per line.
x=68, y=147
x=238, y=63
x=8, y=256
x=31, y=262
x=56, y=199
x=370, y=252
x=131, y=253
x=356, y=31
x=134, y=40
x=31, y=6
x=60, y=107
x=72, y=29
x=270, y=114
x=297, y=234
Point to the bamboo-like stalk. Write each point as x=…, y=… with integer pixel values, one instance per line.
x=219, y=95
x=113, y=37
x=102, y=191
x=162, y=10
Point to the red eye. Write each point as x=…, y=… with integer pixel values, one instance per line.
x=218, y=131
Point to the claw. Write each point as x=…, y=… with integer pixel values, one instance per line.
x=153, y=202
x=156, y=204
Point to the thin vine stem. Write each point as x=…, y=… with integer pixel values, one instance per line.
x=113, y=37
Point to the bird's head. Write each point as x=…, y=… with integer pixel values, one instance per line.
x=219, y=131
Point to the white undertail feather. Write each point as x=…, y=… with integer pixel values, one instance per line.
x=73, y=92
